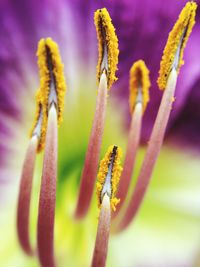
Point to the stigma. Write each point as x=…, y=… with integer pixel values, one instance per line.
x=52, y=80
x=173, y=53
x=107, y=46
x=139, y=85
x=109, y=175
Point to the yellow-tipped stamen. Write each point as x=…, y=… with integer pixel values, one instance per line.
x=178, y=37
x=109, y=175
x=52, y=88
x=107, y=185
x=49, y=109
x=40, y=123
x=52, y=80
x=139, y=85
x=108, y=46
x=152, y=153
x=138, y=100
x=106, y=68
x=170, y=65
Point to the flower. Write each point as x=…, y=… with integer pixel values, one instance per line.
x=140, y=36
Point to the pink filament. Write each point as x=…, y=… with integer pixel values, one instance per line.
x=102, y=238
x=47, y=201
x=92, y=156
x=152, y=153
x=23, y=208
x=131, y=151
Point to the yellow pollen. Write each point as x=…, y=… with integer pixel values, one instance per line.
x=177, y=39
x=41, y=121
x=139, y=85
x=51, y=71
x=115, y=176
x=107, y=46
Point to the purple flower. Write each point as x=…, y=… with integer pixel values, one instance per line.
x=142, y=29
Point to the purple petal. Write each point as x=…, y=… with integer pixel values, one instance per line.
x=186, y=128
x=142, y=29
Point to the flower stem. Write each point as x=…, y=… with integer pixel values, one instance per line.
x=25, y=196
x=92, y=156
x=45, y=235
x=152, y=153
x=102, y=238
x=131, y=151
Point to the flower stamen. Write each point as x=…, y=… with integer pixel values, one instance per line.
x=109, y=175
x=138, y=99
x=139, y=85
x=52, y=87
x=176, y=43
x=52, y=79
x=108, y=46
x=159, y=128
x=107, y=184
x=106, y=68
